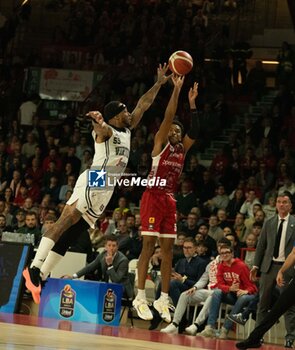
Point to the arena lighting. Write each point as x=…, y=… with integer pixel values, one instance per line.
x=24, y=2
x=264, y=61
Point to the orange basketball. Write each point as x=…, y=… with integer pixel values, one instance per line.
x=180, y=62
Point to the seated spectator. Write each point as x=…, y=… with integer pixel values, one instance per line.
x=189, y=226
x=177, y=247
x=72, y=159
x=29, y=205
x=195, y=170
x=215, y=231
x=82, y=148
x=33, y=188
x=122, y=206
x=270, y=208
x=240, y=227
x=34, y=166
x=186, y=199
x=20, y=220
x=234, y=205
x=251, y=241
x=31, y=226
x=86, y=161
x=233, y=287
x=123, y=236
x=199, y=292
x=51, y=171
x=187, y=271
x=211, y=243
x=220, y=201
x=259, y=216
x=3, y=226
x=52, y=189
x=21, y=196
x=222, y=218
x=156, y=259
x=206, y=190
x=112, y=228
x=203, y=251
x=3, y=211
x=247, y=207
x=65, y=188
x=288, y=186
x=236, y=245
x=28, y=148
x=103, y=222
x=130, y=223
x=256, y=229
x=112, y=266
x=134, y=245
x=53, y=156
x=15, y=183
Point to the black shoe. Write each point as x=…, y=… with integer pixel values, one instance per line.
x=237, y=318
x=289, y=343
x=248, y=344
x=157, y=319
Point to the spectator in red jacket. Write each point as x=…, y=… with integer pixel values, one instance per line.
x=233, y=287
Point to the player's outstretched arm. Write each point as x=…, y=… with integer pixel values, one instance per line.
x=192, y=134
x=148, y=98
x=100, y=127
x=161, y=137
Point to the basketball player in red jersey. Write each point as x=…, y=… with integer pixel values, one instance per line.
x=158, y=206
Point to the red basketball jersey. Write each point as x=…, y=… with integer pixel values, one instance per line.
x=166, y=166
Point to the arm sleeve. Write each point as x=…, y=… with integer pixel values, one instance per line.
x=194, y=129
x=204, y=279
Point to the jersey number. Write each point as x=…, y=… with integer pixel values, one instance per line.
x=117, y=141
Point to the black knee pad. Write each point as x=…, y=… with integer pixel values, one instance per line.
x=69, y=237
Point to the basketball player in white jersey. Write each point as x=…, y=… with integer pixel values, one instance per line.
x=111, y=135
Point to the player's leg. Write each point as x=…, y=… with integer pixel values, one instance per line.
x=149, y=232
x=68, y=238
x=140, y=303
x=68, y=218
x=167, y=239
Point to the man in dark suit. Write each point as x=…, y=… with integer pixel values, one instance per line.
x=275, y=244
x=112, y=266
x=285, y=301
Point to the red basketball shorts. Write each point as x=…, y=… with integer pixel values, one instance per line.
x=158, y=214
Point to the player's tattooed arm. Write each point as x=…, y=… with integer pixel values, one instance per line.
x=148, y=98
x=101, y=128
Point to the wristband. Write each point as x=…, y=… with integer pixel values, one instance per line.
x=74, y=276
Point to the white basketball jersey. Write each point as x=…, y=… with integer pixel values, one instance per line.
x=111, y=156
x=114, y=152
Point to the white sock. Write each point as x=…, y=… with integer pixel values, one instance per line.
x=44, y=248
x=164, y=295
x=141, y=294
x=50, y=262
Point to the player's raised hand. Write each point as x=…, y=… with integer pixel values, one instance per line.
x=161, y=73
x=97, y=117
x=193, y=92
x=178, y=80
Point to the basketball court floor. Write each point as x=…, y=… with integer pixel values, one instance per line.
x=25, y=332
